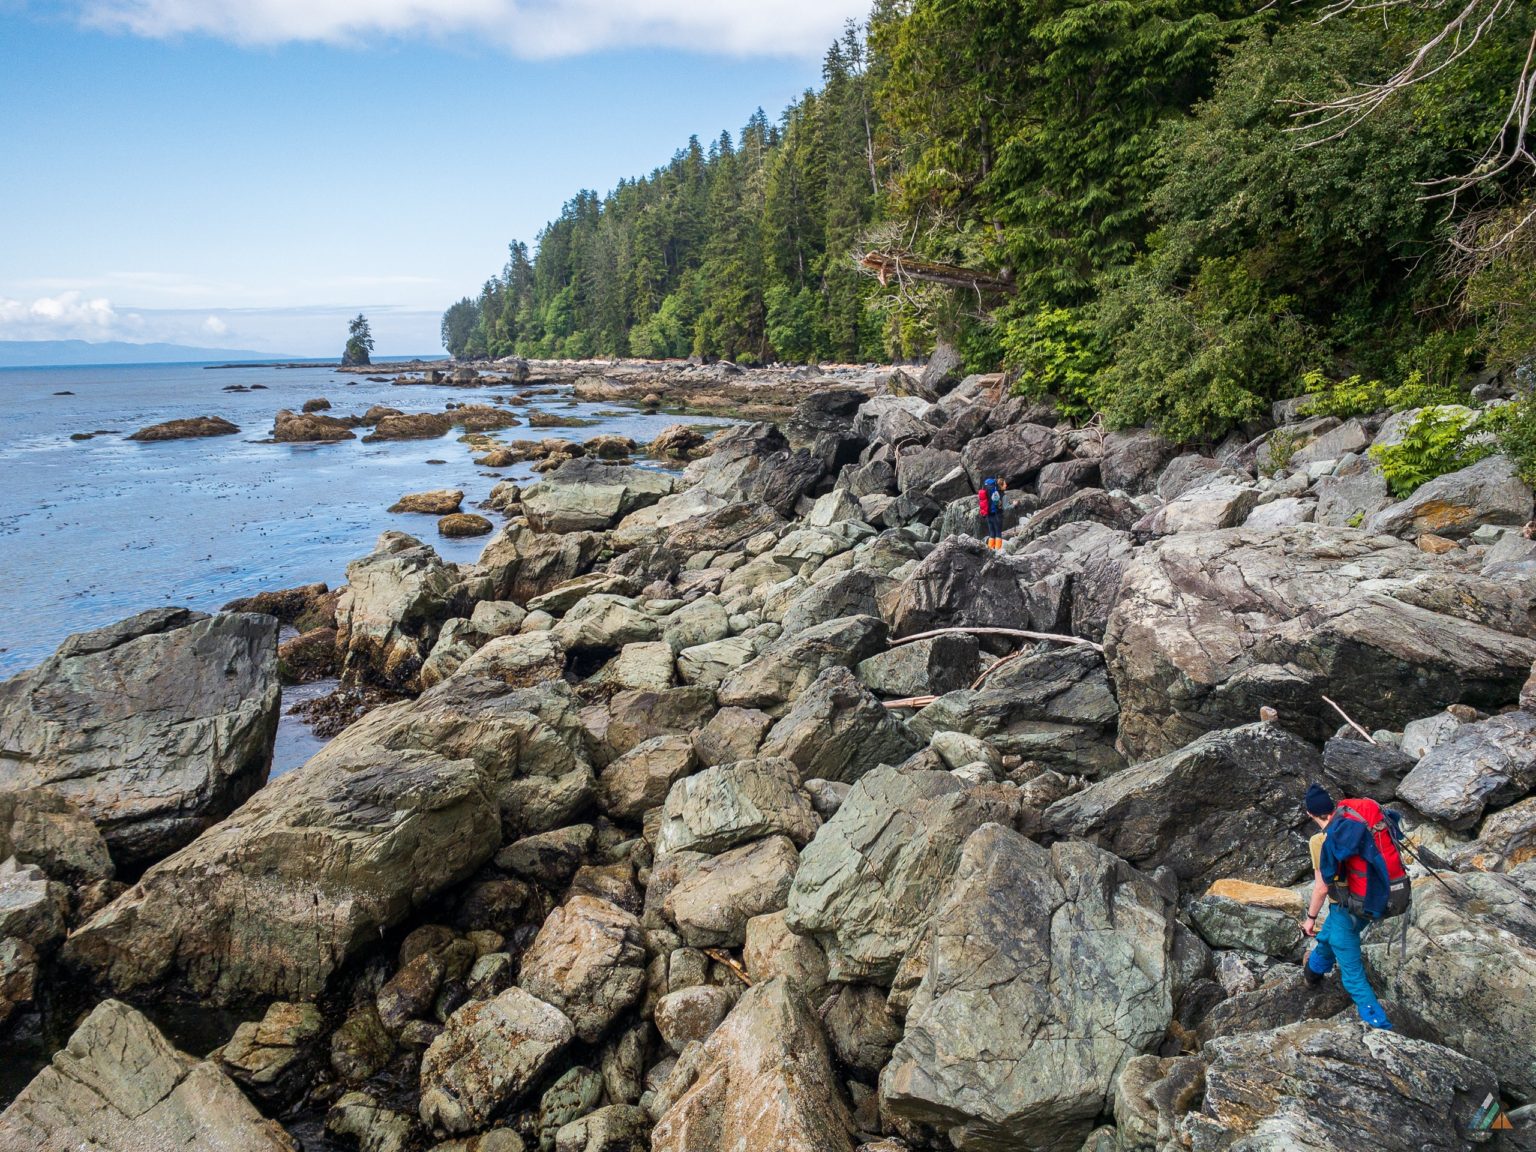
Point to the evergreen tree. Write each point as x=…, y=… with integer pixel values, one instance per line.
x=359, y=341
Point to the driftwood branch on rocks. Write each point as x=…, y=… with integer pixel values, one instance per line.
x=1019, y=633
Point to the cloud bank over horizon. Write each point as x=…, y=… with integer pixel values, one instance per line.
x=532, y=29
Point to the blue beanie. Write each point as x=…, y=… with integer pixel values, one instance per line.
x=1319, y=803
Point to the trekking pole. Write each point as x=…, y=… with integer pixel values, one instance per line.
x=1419, y=860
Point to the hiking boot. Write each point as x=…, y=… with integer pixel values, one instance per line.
x=1312, y=978
x=1375, y=1017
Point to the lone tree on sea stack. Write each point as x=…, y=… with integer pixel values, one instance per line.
x=359, y=342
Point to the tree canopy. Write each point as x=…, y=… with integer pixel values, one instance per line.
x=359, y=341
x=1144, y=208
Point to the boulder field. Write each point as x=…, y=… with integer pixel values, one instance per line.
x=756, y=804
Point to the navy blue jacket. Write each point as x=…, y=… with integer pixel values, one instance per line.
x=1345, y=838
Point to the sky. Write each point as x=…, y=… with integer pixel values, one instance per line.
x=252, y=173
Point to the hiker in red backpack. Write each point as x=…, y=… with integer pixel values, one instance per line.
x=1356, y=866
x=989, y=502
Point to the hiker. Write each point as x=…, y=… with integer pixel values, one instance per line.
x=1363, y=879
x=989, y=502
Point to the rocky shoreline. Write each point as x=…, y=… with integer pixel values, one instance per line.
x=764, y=807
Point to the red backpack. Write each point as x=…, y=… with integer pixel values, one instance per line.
x=981, y=499
x=1350, y=890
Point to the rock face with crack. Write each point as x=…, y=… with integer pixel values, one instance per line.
x=1212, y=625
x=1048, y=970
x=155, y=727
x=588, y=960
x=119, y=1086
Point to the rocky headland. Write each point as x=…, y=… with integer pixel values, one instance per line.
x=757, y=804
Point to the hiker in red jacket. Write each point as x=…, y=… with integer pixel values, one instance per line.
x=1363, y=879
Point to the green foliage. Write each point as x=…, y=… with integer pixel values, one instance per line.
x=359, y=341
x=1354, y=397
x=1440, y=440
x=1056, y=353
x=1513, y=427
x=1279, y=450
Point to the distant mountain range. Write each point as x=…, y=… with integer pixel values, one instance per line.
x=49, y=353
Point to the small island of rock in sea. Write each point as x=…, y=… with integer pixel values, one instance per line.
x=993, y=613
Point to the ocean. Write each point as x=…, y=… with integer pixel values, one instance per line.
x=95, y=530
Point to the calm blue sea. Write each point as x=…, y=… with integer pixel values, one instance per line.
x=95, y=530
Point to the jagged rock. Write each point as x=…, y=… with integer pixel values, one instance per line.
x=196, y=426
x=732, y=804
x=833, y=508
x=587, y=495
x=289, y=427
x=154, y=727
x=388, y=617
x=588, y=960
x=1055, y=707
x=1352, y=494
x=456, y=643
x=870, y=878
x=1048, y=970
x=18, y=975
x=791, y=665
x=771, y=949
x=941, y=664
x=411, y=426
x=1506, y=840
x=119, y=1086
x=1211, y=626
x=361, y=1046
x=702, y=621
x=721, y=528
x=641, y=778
x=1328, y=1084
x=754, y=464
x=569, y=1098
x=1283, y=997
x=33, y=908
x=489, y=1054
x=605, y=622
x=962, y=583
x=636, y=716
x=689, y=1015
x=933, y=472
x=1366, y=769
x=708, y=665
x=520, y=564
x=762, y=1080
x=1490, y=763
x=1013, y=454
x=1224, y=806
x=410, y=992
x=1058, y=481
x=1227, y=923
x=721, y=894
x=273, y=1055
x=1090, y=504
x=406, y=802
x=43, y=828
x=732, y=734
x=852, y=593
x=438, y=502
x=1093, y=557
x=548, y=858
x=1489, y=492
x=1282, y=513
x=837, y=730
x=616, y=1128
x=1221, y=504
x=640, y=666
x=1469, y=969
x=1132, y=461
x=861, y=1029
x=375, y=1128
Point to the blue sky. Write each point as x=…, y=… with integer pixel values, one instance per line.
x=249, y=173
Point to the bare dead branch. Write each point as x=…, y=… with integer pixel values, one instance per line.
x=1017, y=633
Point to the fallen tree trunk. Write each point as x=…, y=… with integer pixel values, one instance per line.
x=1019, y=633
x=888, y=266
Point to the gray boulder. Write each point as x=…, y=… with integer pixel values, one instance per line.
x=1220, y=504
x=1226, y=806
x=43, y=828
x=791, y=665
x=925, y=667
x=588, y=960
x=852, y=593
x=119, y=1086
x=33, y=908
x=520, y=564
x=489, y=1053
x=869, y=880
x=1353, y=493
x=1330, y=1084
x=641, y=778
x=1048, y=970
x=1132, y=461
x=1366, y=769
x=1093, y=557
x=388, y=616
x=1212, y=626
x=405, y=803
x=1453, y=505
x=722, y=807
x=1488, y=764
x=718, y=896
x=838, y=731
x=1013, y=454
x=585, y=495
x=962, y=583
x=1469, y=969
x=154, y=728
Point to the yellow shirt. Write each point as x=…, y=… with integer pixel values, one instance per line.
x=1316, y=844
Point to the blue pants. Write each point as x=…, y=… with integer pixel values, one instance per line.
x=994, y=523
x=1339, y=942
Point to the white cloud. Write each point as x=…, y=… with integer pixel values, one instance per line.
x=69, y=315
x=528, y=28
x=215, y=327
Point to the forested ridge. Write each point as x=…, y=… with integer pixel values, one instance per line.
x=1176, y=210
